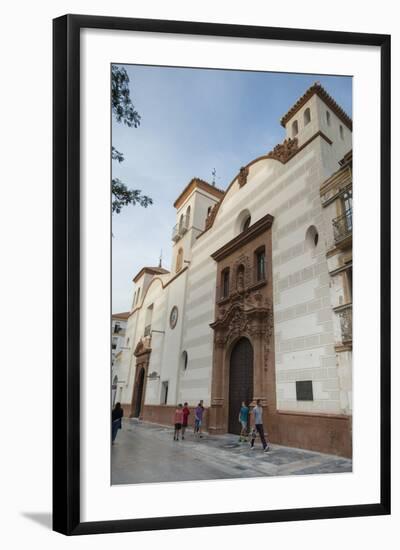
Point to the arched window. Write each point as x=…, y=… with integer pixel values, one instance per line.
x=307, y=116
x=187, y=216
x=295, y=128
x=184, y=360
x=180, y=223
x=246, y=223
x=260, y=264
x=328, y=118
x=341, y=132
x=225, y=283
x=311, y=237
x=179, y=260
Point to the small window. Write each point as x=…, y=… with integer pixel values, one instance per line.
x=134, y=300
x=209, y=210
x=349, y=283
x=114, y=343
x=225, y=283
x=164, y=393
x=328, y=118
x=311, y=237
x=117, y=328
x=138, y=294
x=341, y=132
x=307, y=116
x=304, y=390
x=187, y=217
x=260, y=265
x=295, y=128
x=246, y=223
x=184, y=360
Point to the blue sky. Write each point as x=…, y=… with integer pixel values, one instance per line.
x=193, y=120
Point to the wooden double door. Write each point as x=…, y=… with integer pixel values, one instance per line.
x=240, y=381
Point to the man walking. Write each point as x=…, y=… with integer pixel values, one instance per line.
x=198, y=419
x=258, y=427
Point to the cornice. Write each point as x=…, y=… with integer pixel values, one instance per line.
x=243, y=238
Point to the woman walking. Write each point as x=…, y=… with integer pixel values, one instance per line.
x=186, y=413
x=244, y=421
x=178, y=420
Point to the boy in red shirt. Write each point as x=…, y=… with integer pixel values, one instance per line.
x=178, y=420
x=186, y=412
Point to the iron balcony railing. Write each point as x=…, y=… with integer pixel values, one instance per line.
x=343, y=226
x=180, y=228
x=251, y=278
x=346, y=323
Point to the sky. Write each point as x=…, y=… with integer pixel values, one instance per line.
x=192, y=121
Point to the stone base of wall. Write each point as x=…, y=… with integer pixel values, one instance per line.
x=164, y=415
x=324, y=433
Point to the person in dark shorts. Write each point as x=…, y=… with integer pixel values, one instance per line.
x=116, y=420
x=244, y=421
x=258, y=427
x=178, y=421
x=198, y=419
x=186, y=413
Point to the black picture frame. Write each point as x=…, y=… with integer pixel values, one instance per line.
x=66, y=272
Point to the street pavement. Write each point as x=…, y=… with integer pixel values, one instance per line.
x=147, y=453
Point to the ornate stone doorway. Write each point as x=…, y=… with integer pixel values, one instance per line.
x=139, y=393
x=240, y=381
x=142, y=353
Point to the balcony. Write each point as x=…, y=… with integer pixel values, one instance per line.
x=342, y=228
x=180, y=228
x=346, y=323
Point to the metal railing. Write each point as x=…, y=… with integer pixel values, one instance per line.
x=346, y=323
x=343, y=225
x=180, y=228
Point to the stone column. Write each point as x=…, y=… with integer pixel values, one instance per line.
x=215, y=424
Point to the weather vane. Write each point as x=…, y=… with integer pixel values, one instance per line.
x=213, y=173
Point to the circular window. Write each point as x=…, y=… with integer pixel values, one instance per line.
x=311, y=237
x=173, y=317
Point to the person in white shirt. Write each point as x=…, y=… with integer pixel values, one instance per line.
x=258, y=427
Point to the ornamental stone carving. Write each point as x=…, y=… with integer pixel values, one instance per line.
x=284, y=151
x=243, y=173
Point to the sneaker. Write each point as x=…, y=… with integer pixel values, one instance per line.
x=252, y=447
x=267, y=448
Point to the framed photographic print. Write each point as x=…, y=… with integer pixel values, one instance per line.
x=213, y=337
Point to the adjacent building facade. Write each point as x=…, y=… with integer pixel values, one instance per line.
x=255, y=305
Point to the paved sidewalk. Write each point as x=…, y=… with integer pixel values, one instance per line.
x=145, y=453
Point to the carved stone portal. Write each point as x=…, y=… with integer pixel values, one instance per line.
x=246, y=312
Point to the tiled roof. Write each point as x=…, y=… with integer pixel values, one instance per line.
x=123, y=315
x=316, y=88
x=151, y=270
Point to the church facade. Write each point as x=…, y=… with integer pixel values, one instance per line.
x=256, y=304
